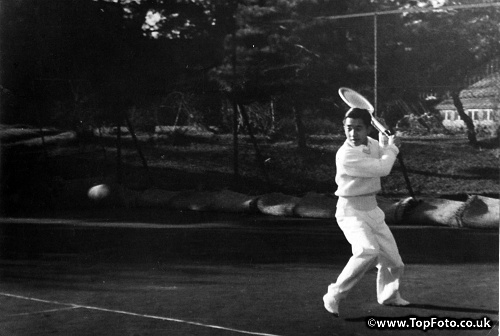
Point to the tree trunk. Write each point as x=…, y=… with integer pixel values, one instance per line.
x=236, y=171
x=301, y=133
x=471, y=132
x=273, y=118
x=260, y=159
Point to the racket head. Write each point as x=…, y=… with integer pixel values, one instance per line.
x=355, y=100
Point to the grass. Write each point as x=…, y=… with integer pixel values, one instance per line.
x=437, y=166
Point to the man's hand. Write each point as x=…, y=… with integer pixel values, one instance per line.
x=394, y=140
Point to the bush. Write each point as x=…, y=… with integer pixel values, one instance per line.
x=320, y=126
x=143, y=119
x=287, y=130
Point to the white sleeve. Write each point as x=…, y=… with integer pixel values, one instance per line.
x=355, y=164
x=383, y=141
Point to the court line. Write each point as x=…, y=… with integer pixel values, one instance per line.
x=44, y=311
x=73, y=305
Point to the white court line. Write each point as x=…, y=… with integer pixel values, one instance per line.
x=44, y=311
x=72, y=305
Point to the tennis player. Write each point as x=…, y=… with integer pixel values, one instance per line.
x=361, y=161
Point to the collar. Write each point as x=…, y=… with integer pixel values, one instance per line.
x=362, y=148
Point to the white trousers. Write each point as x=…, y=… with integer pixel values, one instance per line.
x=372, y=243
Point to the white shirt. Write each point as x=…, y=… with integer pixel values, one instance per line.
x=359, y=168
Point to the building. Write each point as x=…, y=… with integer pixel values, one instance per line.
x=481, y=103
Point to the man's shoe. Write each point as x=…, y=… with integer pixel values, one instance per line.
x=399, y=302
x=331, y=305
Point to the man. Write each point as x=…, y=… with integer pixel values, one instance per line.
x=361, y=161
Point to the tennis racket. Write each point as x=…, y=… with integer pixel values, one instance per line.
x=355, y=100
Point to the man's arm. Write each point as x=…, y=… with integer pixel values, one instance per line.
x=355, y=164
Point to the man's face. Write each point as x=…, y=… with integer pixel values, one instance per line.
x=356, y=132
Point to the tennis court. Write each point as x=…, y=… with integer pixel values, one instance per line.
x=234, y=275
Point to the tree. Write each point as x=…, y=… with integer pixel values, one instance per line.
x=438, y=50
x=108, y=44
x=281, y=53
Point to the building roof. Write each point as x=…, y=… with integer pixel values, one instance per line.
x=484, y=94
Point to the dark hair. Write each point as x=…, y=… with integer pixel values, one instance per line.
x=357, y=113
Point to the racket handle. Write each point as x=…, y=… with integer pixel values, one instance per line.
x=381, y=128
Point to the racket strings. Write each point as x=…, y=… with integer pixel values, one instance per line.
x=356, y=101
